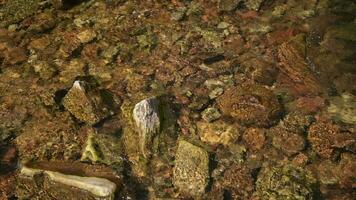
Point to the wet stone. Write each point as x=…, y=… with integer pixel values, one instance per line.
x=254, y=138
x=251, y=105
x=191, y=170
x=211, y=114
x=325, y=137
x=147, y=120
x=44, y=184
x=228, y=5
x=285, y=182
x=218, y=132
x=239, y=182
x=88, y=108
x=103, y=148
x=69, y=71
x=253, y=4
x=179, y=14
x=86, y=36
x=288, y=142
x=216, y=92
x=17, y=10
x=343, y=108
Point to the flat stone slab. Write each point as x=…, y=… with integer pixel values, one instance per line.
x=43, y=183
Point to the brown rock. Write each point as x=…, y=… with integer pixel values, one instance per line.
x=260, y=71
x=290, y=143
x=15, y=55
x=218, y=132
x=300, y=160
x=251, y=105
x=296, y=74
x=40, y=43
x=322, y=136
x=238, y=180
x=254, y=138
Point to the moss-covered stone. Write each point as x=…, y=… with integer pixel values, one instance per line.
x=17, y=10
x=191, y=170
x=103, y=148
x=283, y=182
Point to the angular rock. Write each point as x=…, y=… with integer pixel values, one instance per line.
x=44, y=184
x=293, y=64
x=285, y=182
x=218, y=132
x=88, y=108
x=147, y=120
x=191, y=170
x=251, y=105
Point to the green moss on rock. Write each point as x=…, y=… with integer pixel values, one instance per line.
x=103, y=148
x=285, y=182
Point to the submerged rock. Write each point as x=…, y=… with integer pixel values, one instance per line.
x=191, y=170
x=88, y=108
x=285, y=182
x=239, y=182
x=103, y=148
x=253, y=4
x=343, y=108
x=228, y=5
x=44, y=184
x=325, y=137
x=288, y=142
x=296, y=75
x=254, y=138
x=218, y=132
x=251, y=105
x=147, y=119
x=16, y=10
x=211, y=114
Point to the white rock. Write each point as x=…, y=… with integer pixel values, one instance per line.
x=146, y=117
x=99, y=187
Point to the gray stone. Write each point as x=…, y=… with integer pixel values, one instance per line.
x=49, y=184
x=147, y=120
x=191, y=170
